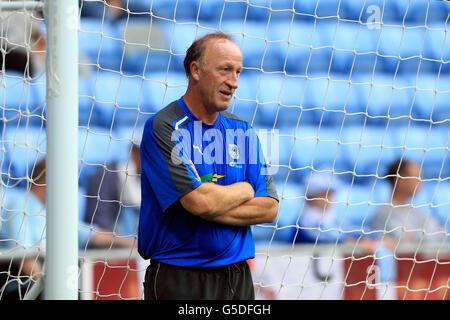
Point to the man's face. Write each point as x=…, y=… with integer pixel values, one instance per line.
x=322, y=200
x=218, y=74
x=411, y=183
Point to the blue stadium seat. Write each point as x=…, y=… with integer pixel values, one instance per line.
x=23, y=148
x=437, y=47
x=322, y=8
x=403, y=46
x=85, y=101
x=303, y=52
x=280, y=98
x=284, y=167
x=161, y=88
x=357, y=204
x=218, y=10
x=117, y=97
x=366, y=11
x=436, y=42
x=420, y=11
x=384, y=96
x=292, y=98
x=322, y=46
x=314, y=92
x=145, y=45
x=329, y=152
x=260, y=10
x=100, y=42
x=98, y=146
x=16, y=97
x=426, y=146
x=369, y=150
x=39, y=94
x=432, y=96
x=244, y=103
x=258, y=47
x=318, y=147
x=175, y=10
x=334, y=98
x=139, y=5
x=303, y=147
x=366, y=40
x=342, y=37
x=353, y=46
x=130, y=100
x=291, y=196
x=33, y=96
x=440, y=202
x=179, y=37
x=286, y=138
x=125, y=135
x=411, y=12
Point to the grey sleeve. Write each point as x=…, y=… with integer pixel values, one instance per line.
x=379, y=219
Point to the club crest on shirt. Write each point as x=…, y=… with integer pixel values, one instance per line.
x=233, y=151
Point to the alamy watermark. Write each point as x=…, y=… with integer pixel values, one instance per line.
x=235, y=147
x=374, y=18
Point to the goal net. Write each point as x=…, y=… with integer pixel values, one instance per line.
x=348, y=97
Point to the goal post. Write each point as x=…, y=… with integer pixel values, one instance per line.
x=59, y=278
x=61, y=261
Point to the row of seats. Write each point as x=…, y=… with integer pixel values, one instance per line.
x=263, y=99
x=23, y=147
x=354, y=204
x=294, y=47
x=214, y=10
x=356, y=154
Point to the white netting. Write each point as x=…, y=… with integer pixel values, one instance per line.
x=338, y=91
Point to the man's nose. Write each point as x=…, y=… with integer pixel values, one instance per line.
x=232, y=81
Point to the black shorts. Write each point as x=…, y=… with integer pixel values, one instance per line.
x=167, y=282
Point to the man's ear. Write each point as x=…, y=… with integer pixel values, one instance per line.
x=195, y=70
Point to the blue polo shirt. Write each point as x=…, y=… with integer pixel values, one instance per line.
x=226, y=152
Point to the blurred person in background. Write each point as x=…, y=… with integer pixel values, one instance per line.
x=399, y=223
x=105, y=10
x=114, y=196
x=319, y=221
x=112, y=10
x=23, y=47
x=25, y=43
x=22, y=233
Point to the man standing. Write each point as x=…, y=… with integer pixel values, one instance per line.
x=204, y=183
x=399, y=222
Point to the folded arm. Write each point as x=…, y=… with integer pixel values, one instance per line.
x=255, y=211
x=232, y=205
x=210, y=200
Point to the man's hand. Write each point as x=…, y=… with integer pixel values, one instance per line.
x=32, y=268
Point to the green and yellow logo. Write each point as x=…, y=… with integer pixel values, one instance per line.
x=210, y=177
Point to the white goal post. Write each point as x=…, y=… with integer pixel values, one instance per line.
x=337, y=91
x=61, y=99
